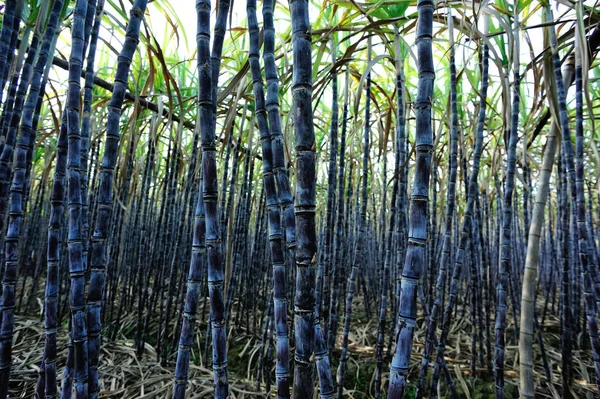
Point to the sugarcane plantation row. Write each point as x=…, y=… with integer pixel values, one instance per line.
x=299, y=199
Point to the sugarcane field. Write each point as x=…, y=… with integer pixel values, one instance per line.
x=299, y=199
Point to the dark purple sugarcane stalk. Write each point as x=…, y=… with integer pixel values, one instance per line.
x=180, y=288
x=450, y=210
x=67, y=380
x=430, y=266
x=235, y=260
x=55, y=223
x=338, y=244
x=302, y=81
x=35, y=244
x=96, y=11
x=497, y=222
x=16, y=29
x=326, y=388
x=208, y=70
x=386, y=288
x=104, y=200
x=381, y=238
x=475, y=298
x=17, y=191
x=35, y=122
x=551, y=265
x=10, y=24
x=361, y=244
x=184, y=231
x=566, y=300
x=216, y=54
x=325, y=269
x=305, y=200
x=25, y=48
x=589, y=269
x=401, y=199
x=467, y=220
x=273, y=203
x=417, y=234
x=483, y=244
x=506, y=239
x=222, y=13
x=26, y=51
x=365, y=276
x=592, y=232
x=480, y=266
x=74, y=238
x=14, y=65
x=17, y=94
x=196, y=271
x=516, y=269
x=90, y=18
x=575, y=264
x=384, y=294
x=349, y=224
